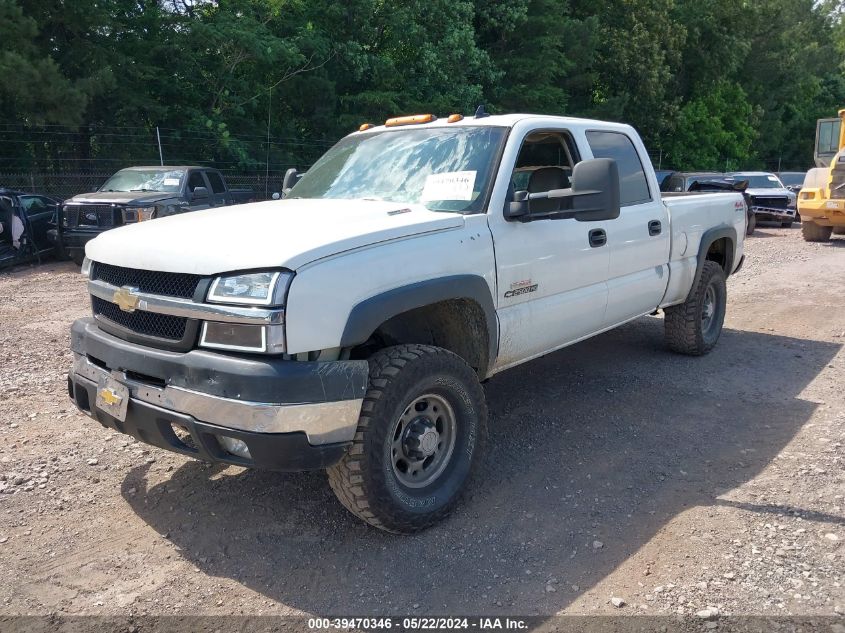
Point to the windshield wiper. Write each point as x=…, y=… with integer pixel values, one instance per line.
x=143, y=190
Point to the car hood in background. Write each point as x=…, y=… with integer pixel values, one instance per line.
x=770, y=193
x=273, y=234
x=121, y=197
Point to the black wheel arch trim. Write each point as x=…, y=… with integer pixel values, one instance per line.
x=368, y=315
x=707, y=240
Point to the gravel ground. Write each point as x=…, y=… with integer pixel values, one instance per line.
x=620, y=478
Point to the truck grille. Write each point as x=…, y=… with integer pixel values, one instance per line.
x=770, y=202
x=90, y=216
x=145, y=323
x=168, y=284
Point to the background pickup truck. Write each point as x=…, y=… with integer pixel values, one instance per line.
x=136, y=194
x=349, y=326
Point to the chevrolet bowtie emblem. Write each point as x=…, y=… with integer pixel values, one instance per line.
x=110, y=397
x=126, y=299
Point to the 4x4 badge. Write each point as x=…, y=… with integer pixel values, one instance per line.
x=126, y=299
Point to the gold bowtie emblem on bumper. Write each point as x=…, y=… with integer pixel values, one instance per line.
x=109, y=396
x=126, y=299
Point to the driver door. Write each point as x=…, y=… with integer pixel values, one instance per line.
x=551, y=274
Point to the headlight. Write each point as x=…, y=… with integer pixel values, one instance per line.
x=138, y=214
x=260, y=289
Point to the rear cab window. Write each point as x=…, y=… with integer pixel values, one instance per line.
x=632, y=178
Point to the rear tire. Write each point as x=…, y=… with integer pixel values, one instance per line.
x=839, y=230
x=786, y=225
x=813, y=232
x=419, y=439
x=694, y=327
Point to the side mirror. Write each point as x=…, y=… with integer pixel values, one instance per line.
x=200, y=193
x=291, y=178
x=592, y=196
x=516, y=208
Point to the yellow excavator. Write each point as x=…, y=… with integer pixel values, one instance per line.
x=821, y=202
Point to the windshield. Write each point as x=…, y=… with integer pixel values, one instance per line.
x=792, y=179
x=445, y=169
x=766, y=181
x=165, y=180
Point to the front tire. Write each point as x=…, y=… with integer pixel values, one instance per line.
x=786, y=225
x=839, y=230
x=419, y=439
x=813, y=232
x=751, y=224
x=694, y=327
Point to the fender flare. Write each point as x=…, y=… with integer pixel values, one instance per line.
x=707, y=239
x=368, y=315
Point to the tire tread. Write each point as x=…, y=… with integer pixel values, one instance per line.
x=346, y=477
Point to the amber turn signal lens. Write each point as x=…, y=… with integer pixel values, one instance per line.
x=365, y=126
x=409, y=120
x=454, y=118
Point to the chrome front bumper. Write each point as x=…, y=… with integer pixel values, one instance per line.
x=322, y=422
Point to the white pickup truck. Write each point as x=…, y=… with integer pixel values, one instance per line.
x=349, y=326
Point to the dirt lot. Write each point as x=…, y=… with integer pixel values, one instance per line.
x=615, y=470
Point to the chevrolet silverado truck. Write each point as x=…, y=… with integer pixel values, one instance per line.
x=137, y=194
x=349, y=326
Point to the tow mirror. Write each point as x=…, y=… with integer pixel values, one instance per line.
x=292, y=176
x=592, y=196
x=200, y=193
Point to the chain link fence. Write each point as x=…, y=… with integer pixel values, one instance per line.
x=68, y=184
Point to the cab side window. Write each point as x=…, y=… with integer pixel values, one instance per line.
x=195, y=180
x=632, y=178
x=544, y=163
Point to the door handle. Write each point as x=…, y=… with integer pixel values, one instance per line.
x=654, y=228
x=597, y=238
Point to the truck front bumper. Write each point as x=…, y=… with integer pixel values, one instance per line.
x=274, y=414
x=773, y=214
x=70, y=239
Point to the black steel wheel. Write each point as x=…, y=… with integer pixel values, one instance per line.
x=418, y=442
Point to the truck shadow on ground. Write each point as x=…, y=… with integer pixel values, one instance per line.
x=607, y=440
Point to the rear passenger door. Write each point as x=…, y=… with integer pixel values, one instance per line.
x=639, y=238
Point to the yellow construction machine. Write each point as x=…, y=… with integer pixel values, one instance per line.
x=821, y=202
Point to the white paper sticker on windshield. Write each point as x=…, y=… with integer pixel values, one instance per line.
x=772, y=178
x=452, y=185
x=171, y=182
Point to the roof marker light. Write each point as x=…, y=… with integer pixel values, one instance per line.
x=410, y=120
x=365, y=126
x=454, y=118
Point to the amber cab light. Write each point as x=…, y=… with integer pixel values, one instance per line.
x=365, y=126
x=410, y=120
x=454, y=118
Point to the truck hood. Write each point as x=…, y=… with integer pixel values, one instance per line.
x=767, y=192
x=121, y=197
x=273, y=234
